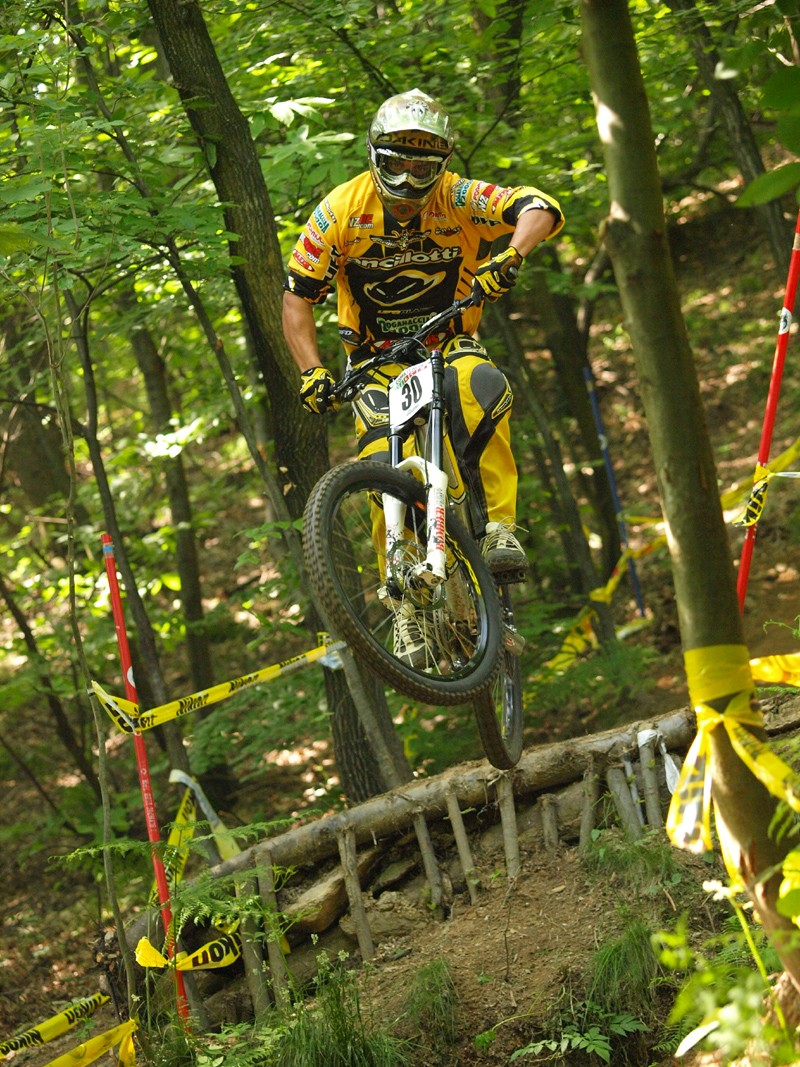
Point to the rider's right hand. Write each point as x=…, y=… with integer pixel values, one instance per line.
x=316, y=390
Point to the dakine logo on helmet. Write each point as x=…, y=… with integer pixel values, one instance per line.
x=410, y=143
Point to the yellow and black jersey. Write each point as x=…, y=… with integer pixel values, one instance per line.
x=391, y=278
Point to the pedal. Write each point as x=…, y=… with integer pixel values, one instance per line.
x=512, y=577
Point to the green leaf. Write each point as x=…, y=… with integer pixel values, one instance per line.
x=771, y=185
x=12, y=238
x=788, y=131
x=484, y=1040
x=782, y=91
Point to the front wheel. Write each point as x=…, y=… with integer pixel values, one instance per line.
x=367, y=606
x=498, y=709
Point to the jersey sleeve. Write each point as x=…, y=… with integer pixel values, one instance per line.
x=501, y=206
x=314, y=260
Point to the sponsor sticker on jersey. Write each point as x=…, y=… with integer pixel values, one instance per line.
x=406, y=288
x=481, y=220
x=501, y=192
x=403, y=259
x=361, y=222
x=448, y=231
x=460, y=190
x=298, y=257
x=320, y=220
x=312, y=251
x=480, y=196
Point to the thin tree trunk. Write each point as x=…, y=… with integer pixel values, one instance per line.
x=154, y=374
x=61, y=721
x=741, y=139
x=146, y=637
x=567, y=346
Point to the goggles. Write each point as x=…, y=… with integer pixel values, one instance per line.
x=397, y=169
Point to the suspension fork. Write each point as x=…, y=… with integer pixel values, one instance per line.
x=433, y=569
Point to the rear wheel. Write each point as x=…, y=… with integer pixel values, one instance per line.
x=345, y=557
x=498, y=710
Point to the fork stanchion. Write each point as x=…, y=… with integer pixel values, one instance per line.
x=145, y=782
x=778, y=362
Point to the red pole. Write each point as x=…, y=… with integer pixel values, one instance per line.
x=790, y=294
x=145, y=783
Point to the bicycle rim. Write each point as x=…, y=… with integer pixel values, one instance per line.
x=498, y=710
x=348, y=574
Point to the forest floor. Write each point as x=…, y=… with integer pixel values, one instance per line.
x=518, y=958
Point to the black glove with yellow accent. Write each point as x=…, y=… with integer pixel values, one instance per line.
x=316, y=390
x=497, y=276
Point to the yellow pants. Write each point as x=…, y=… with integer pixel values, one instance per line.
x=479, y=407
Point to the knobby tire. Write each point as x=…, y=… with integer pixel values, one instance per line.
x=498, y=709
x=342, y=566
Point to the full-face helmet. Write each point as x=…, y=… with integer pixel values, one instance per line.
x=410, y=142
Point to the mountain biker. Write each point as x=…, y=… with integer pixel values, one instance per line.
x=402, y=241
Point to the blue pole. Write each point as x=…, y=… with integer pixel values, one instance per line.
x=623, y=530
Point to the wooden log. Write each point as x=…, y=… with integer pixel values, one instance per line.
x=347, y=853
x=591, y=794
x=508, y=818
x=468, y=868
x=277, y=964
x=650, y=786
x=540, y=769
x=623, y=801
x=253, y=957
x=549, y=821
x=429, y=863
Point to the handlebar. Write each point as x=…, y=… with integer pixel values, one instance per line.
x=400, y=350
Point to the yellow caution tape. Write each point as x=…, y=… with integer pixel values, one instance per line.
x=93, y=1049
x=713, y=673
x=127, y=716
x=755, y=505
x=777, y=670
x=226, y=950
x=604, y=594
x=225, y=841
x=177, y=851
x=580, y=637
x=54, y=1026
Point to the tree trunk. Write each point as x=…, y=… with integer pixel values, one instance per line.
x=146, y=638
x=708, y=610
x=154, y=374
x=740, y=133
x=300, y=442
x=258, y=269
x=567, y=346
x=33, y=450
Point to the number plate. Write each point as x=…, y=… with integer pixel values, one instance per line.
x=410, y=391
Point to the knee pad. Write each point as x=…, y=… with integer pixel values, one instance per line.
x=491, y=390
x=463, y=345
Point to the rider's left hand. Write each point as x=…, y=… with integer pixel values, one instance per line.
x=497, y=276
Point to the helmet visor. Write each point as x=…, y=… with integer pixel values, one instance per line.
x=402, y=171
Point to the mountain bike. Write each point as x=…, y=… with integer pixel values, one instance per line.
x=382, y=540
